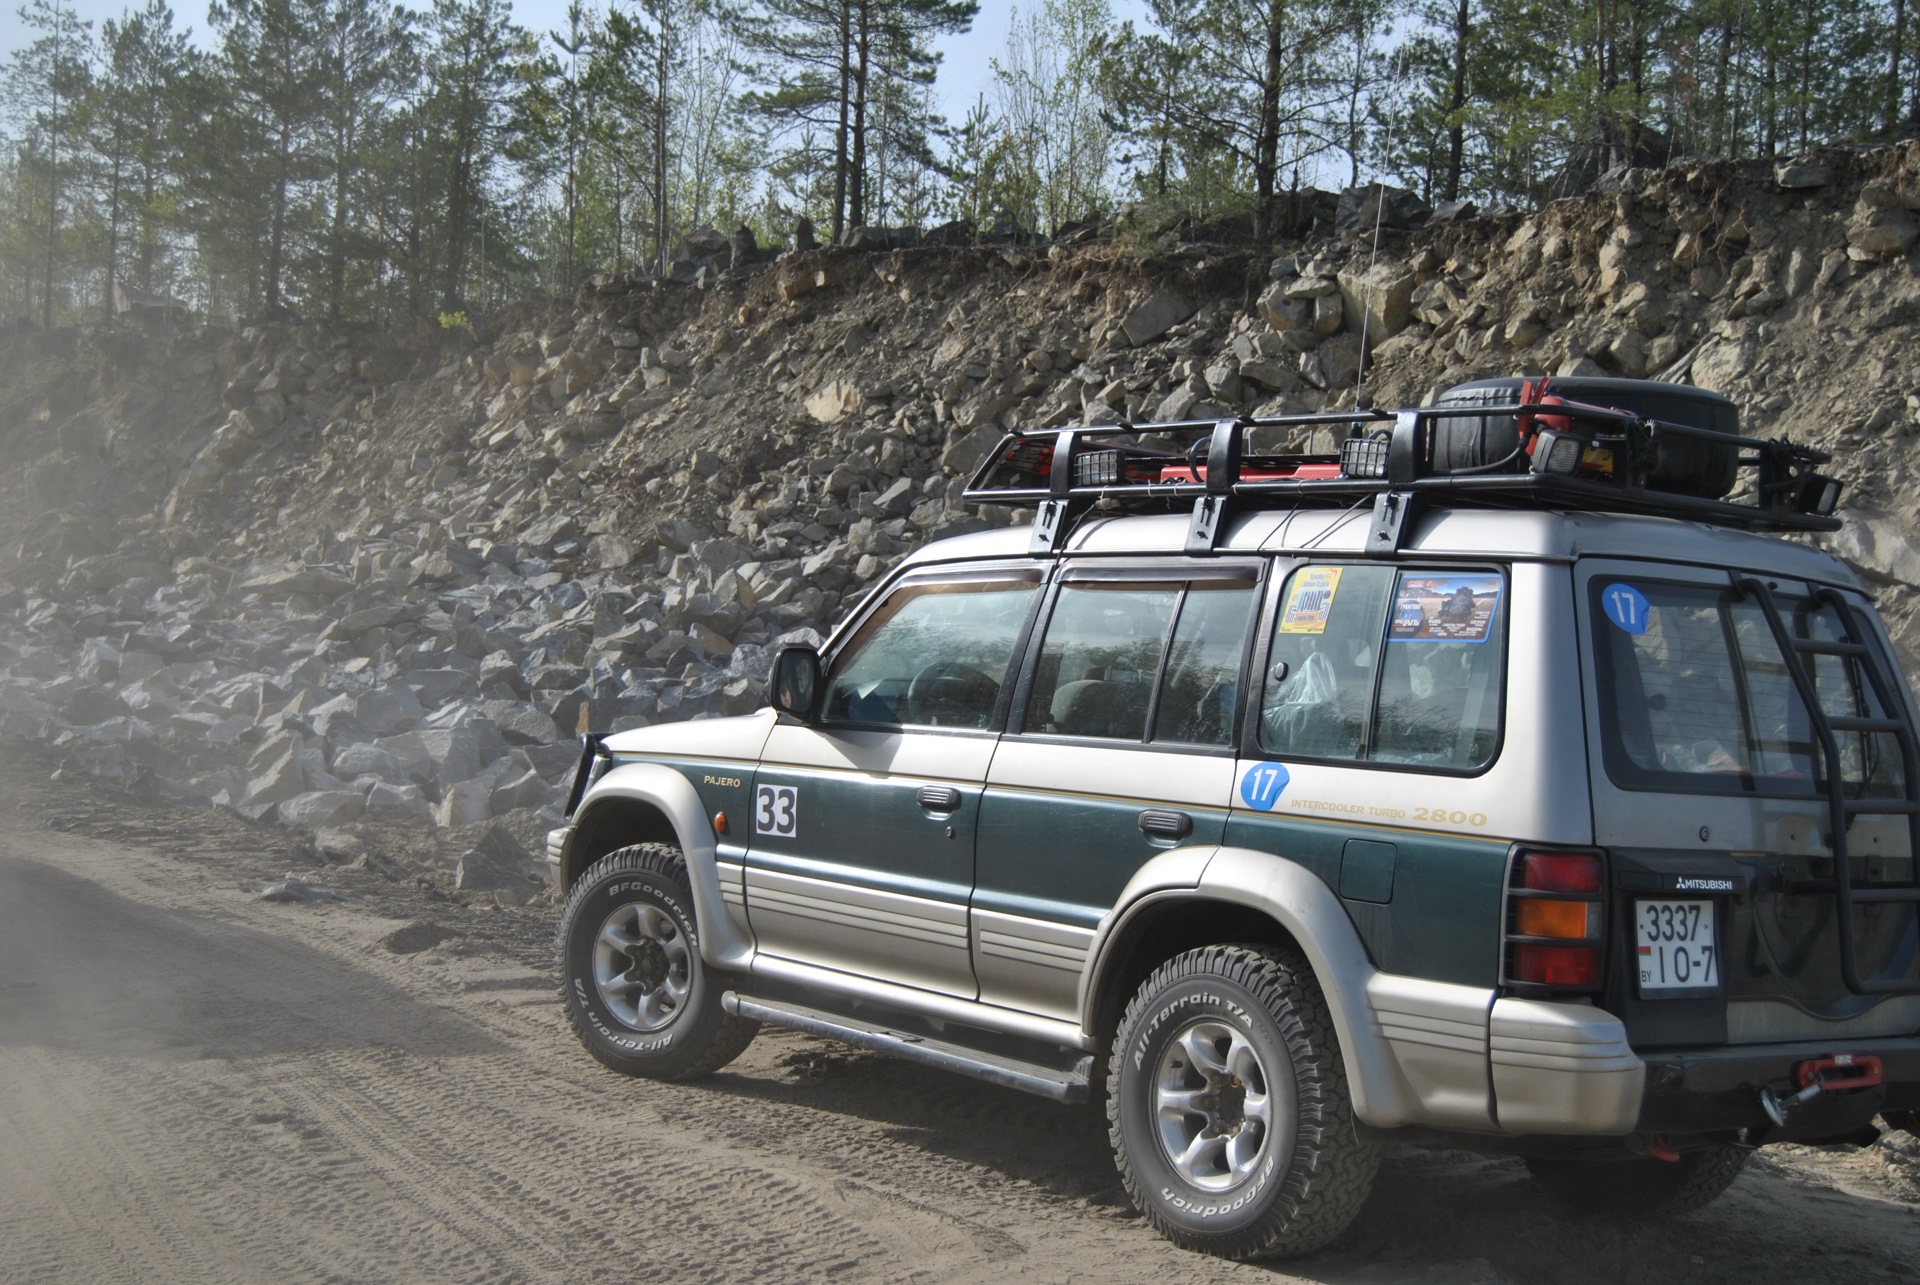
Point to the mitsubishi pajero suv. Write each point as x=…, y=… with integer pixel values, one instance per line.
x=1502, y=781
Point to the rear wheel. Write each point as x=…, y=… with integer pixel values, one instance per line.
x=1228, y=1109
x=634, y=987
x=1641, y=1186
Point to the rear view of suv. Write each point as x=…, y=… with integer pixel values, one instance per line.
x=1502, y=780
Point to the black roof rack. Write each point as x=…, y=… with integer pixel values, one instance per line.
x=1567, y=456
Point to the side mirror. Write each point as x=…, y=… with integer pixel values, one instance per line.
x=796, y=681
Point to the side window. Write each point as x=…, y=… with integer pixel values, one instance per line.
x=1202, y=686
x=1111, y=645
x=933, y=654
x=1320, y=670
x=1100, y=659
x=1373, y=664
x=1439, y=703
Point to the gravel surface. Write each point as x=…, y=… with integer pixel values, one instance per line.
x=200, y=1085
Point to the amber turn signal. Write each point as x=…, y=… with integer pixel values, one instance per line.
x=1571, y=919
x=719, y=823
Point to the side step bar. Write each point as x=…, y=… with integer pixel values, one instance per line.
x=1012, y=1073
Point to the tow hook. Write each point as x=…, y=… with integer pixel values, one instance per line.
x=1654, y=1145
x=1835, y=1073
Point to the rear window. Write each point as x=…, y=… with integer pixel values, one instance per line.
x=1696, y=696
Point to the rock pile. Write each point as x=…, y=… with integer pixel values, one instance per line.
x=320, y=574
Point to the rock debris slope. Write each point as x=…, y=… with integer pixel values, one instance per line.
x=328, y=575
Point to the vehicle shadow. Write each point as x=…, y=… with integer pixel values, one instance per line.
x=89, y=971
x=1433, y=1216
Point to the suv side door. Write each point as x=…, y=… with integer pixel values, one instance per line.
x=1122, y=751
x=861, y=856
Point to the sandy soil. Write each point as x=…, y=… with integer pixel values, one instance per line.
x=197, y=1085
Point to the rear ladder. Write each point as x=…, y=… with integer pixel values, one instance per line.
x=1841, y=809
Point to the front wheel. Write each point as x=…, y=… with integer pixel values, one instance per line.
x=1228, y=1108
x=634, y=987
x=1642, y=1186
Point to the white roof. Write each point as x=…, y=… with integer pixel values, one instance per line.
x=1531, y=534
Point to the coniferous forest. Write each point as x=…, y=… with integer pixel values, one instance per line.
x=356, y=160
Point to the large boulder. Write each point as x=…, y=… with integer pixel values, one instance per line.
x=323, y=808
x=498, y=864
x=1380, y=300
x=1158, y=313
x=1361, y=209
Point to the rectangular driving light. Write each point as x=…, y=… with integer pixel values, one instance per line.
x=1557, y=453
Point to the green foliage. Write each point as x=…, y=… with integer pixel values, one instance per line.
x=454, y=321
x=1056, y=145
x=46, y=91
x=359, y=158
x=837, y=80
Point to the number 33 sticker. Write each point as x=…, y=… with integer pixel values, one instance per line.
x=776, y=810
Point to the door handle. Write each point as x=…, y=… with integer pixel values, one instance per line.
x=1163, y=823
x=941, y=799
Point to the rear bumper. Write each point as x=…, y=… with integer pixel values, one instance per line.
x=1562, y=1068
x=1567, y=1070
x=1718, y=1090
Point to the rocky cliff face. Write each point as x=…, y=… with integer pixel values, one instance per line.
x=324, y=574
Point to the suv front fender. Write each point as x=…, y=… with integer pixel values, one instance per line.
x=724, y=942
x=1415, y=1051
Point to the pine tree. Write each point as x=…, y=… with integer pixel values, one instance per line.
x=1161, y=104
x=367, y=61
x=274, y=75
x=46, y=90
x=824, y=62
x=473, y=69
x=135, y=133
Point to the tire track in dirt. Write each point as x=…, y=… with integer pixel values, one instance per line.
x=77, y=1121
x=567, y=1172
x=281, y=1096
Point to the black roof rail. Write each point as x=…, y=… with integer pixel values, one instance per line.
x=1567, y=456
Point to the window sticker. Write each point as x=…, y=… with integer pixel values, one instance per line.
x=1445, y=609
x=1310, y=600
x=1626, y=607
x=1263, y=784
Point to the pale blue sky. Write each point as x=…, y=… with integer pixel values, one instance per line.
x=964, y=72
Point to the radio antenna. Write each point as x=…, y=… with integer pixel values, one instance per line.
x=1379, y=210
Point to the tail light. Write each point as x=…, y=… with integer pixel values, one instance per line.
x=1556, y=920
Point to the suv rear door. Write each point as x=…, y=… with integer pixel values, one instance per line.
x=1123, y=749
x=1709, y=792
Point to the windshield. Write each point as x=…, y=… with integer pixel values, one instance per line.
x=1697, y=697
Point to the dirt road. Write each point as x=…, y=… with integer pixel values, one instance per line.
x=197, y=1085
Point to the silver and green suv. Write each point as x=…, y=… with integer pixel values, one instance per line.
x=1497, y=781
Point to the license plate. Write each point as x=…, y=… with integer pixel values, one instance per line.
x=1679, y=952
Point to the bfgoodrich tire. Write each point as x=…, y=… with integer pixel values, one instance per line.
x=1643, y=1187
x=1228, y=1107
x=632, y=982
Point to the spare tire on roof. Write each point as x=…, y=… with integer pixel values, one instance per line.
x=1686, y=466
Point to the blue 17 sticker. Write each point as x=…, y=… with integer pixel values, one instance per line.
x=1263, y=785
x=1626, y=607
